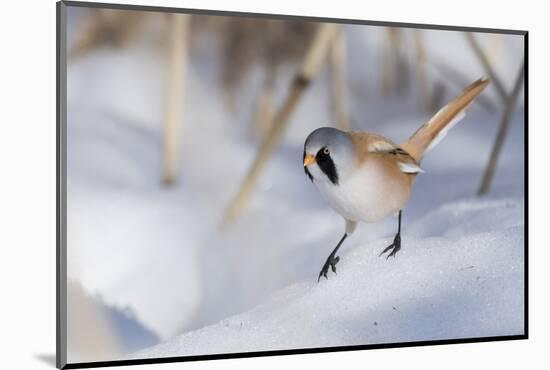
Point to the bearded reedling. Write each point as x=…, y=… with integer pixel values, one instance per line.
x=366, y=177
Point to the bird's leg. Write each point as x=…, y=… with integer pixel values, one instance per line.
x=332, y=260
x=396, y=245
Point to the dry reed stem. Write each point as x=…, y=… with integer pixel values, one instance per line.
x=338, y=62
x=501, y=134
x=265, y=111
x=178, y=35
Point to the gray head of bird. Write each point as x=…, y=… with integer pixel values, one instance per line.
x=328, y=155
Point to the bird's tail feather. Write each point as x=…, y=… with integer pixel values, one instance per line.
x=429, y=134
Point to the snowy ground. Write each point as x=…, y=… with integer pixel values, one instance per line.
x=462, y=281
x=160, y=257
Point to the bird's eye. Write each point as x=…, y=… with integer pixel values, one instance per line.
x=326, y=151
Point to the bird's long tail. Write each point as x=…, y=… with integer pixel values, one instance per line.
x=429, y=134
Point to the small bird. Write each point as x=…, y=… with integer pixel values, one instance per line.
x=366, y=177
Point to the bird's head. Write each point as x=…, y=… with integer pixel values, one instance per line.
x=328, y=155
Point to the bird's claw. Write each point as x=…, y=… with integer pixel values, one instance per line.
x=330, y=262
x=393, y=252
x=333, y=264
x=394, y=247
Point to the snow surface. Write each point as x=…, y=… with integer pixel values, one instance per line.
x=160, y=256
x=462, y=281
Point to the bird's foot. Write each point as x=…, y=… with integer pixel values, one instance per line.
x=330, y=262
x=394, y=247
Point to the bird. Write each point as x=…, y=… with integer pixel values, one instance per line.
x=366, y=177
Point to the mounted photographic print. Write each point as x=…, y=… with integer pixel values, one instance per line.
x=235, y=185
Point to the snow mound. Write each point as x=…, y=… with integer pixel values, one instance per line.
x=463, y=279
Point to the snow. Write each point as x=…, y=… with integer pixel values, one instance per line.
x=452, y=282
x=160, y=256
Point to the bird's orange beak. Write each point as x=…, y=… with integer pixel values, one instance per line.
x=309, y=159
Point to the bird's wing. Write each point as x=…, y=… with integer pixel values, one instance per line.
x=391, y=151
x=368, y=145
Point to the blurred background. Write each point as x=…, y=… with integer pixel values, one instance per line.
x=187, y=200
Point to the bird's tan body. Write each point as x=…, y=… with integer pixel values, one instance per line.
x=378, y=188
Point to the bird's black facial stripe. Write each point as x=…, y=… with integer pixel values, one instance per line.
x=326, y=164
x=306, y=170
